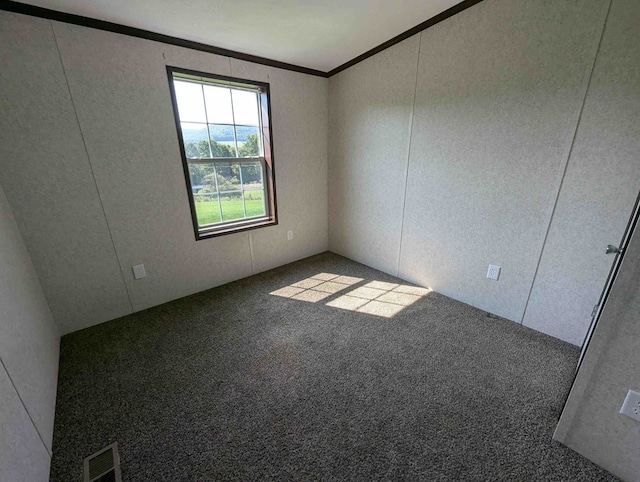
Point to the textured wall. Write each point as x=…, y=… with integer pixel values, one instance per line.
x=22, y=454
x=123, y=200
x=300, y=112
x=371, y=106
x=599, y=188
x=48, y=180
x=493, y=125
x=29, y=346
x=608, y=158
x=590, y=423
x=498, y=97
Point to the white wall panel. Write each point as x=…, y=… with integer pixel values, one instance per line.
x=48, y=180
x=23, y=457
x=121, y=92
x=299, y=111
x=599, y=189
x=371, y=107
x=591, y=423
x=499, y=90
x=29, y=341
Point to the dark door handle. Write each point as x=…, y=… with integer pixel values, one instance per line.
x=613, y=249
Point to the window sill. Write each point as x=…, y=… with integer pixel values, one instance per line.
x=215, y=231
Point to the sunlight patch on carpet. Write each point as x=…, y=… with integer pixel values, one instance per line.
x=377, y=298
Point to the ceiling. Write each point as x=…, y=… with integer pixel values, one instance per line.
x=318, y=34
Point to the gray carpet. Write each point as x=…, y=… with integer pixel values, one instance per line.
x=237, y=384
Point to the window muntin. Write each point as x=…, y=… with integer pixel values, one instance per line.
x=223, y=129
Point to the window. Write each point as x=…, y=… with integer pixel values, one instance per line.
x=225, y=141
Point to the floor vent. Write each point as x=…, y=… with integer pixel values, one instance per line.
x=103, y=466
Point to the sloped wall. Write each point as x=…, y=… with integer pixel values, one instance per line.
x=29, y=347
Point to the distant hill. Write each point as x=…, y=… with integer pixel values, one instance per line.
x=219, y=133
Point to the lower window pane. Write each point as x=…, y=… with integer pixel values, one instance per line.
x=254, y=201
x=251, y=175
x=205, y=193
x=207, y=209
x=226, y=191
x=228, y=176
x=232, y=206
x=202, y=178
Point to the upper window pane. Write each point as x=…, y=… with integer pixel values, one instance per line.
x=196, y=140
x=218, y=102
x=190, y=101
x=248, y=138
x=223, y=142
x=245, y=107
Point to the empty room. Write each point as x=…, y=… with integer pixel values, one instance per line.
x=297, y=240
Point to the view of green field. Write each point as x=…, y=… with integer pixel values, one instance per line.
x=208, y=211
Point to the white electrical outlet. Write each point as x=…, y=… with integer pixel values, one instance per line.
x=139, y=271
x=289, y=235
x=493, y=272
x=631, y=405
